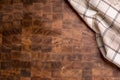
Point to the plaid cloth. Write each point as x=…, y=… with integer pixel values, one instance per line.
x=103, y=18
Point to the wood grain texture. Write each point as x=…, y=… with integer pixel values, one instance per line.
x=47, y=40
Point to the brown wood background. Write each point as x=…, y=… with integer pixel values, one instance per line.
x=47, y=40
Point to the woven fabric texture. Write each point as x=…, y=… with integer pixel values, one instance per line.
x=103, y=17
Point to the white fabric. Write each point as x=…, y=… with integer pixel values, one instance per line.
x=103, y=16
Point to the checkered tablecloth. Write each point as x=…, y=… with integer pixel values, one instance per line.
x=103, y=18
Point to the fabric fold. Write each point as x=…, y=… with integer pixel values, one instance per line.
x=104, y=19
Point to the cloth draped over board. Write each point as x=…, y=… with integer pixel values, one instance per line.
x=103, y=17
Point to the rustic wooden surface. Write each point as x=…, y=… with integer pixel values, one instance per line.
x=47, y=40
